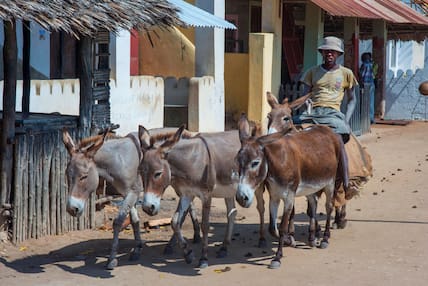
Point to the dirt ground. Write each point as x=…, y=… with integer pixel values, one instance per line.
x=384, y=243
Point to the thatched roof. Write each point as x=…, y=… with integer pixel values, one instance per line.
x=85, y=17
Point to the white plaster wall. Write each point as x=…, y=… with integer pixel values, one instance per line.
x=141, y=103
x=47, y=96
x=206, y=107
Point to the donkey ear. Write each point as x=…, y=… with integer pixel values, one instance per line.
x=92, y=150
x=68, y=141
x=244, y=128
x=168, y=144
x=271, y=99
x=144, y=137
x=300, y=101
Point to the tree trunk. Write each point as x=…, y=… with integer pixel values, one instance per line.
x=10, y=61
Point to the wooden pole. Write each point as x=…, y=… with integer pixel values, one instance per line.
x=26, y=76
x=10, y=60
x=85, y=77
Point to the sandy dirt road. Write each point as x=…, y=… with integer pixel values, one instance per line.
x=385, y=242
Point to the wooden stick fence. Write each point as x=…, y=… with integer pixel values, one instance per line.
x=40, y=188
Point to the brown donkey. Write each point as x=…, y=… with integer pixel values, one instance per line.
x=200, y=166
x=359, y=161
x=293, y=164
x=117, y=161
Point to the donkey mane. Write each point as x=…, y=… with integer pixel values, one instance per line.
x=162, y=137
x=85, y=142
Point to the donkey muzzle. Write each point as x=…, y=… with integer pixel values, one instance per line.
x=151, y=204
x=75, y=206
x=244, y=195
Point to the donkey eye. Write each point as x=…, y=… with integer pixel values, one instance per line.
x=255, y=163
x=286, y=119
x=84, y=177
x=157, y=174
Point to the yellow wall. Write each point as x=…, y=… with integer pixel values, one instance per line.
x=260, y=72
x=236, y=83
x=172, y=54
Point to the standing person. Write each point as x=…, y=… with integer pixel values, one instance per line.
x=329, y=83
x=367, y=78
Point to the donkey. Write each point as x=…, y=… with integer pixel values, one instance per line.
x=294, y=164
x=116, y=161
x=359, y=161
x=200, y=166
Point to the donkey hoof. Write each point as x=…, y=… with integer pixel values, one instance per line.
x=342, y=224
x=222, y=252
x=111, y=264
x=324, y=244
x=196, y=238
x=312, y=243
x=275, y=264
x=262, y=243
x=290, y=241
x=135, y=255
x=203, y=263
x=189, y=256
x=168, y=250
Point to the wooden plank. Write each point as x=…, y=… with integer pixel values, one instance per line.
x=39, y=186
x=25, y=187
x=157, y=222
x=392, y=122
x=55, y=186
x=16, y=227
x=47, y=155
x=31, y=187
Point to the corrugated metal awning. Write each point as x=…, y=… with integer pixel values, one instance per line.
x=197, y=17
x=391, y=11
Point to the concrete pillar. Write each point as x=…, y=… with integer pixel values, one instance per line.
x=209, y=51
x=260, y=76
x=272, y=23
x=314, y=33
x=351, y=35
x=379, y=57
x=120, y=58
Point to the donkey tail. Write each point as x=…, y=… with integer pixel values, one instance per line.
x=343, y=170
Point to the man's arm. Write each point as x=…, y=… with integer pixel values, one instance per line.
x=351, y=102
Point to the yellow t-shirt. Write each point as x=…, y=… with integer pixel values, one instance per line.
x=328, y=86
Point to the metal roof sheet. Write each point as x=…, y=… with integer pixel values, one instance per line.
x=197, y=17
x=392, y=11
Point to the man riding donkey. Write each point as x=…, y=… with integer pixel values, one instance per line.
x=328, y=84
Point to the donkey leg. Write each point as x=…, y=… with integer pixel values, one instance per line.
x=231, y=214
x=135, y=220
x=261, y=210
x=340, y=217
x=169, y=248
x=195, y=222
x=329, y=209
x=283, y=229
x=124, y=209
x=206, y=207
x=273, y=214
x=183, y=205
x=312, y=212
x=289, y=239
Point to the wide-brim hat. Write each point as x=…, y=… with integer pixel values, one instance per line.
x=331, y=43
